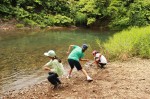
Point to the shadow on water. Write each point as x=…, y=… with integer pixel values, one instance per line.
x=22, y=58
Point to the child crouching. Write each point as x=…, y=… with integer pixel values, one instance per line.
x=99, y=59
x=54, y=68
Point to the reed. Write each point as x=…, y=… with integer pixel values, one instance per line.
x=129, y=43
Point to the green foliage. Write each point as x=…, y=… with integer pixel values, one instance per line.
x=56, y=6
x=129, y=43
x=124, y=14
x=19, y=25
x=5, y=9
x=119, y=23
x=142, y=46
x=37, y=18
x=60, y=20
x=93, y=9
x=137, y=14
x=73, y=8
x=89, y=7
x=90, y=21
x=49, y=20
x=29, y=22
x=43, y=19
x=21, y=13
x=120, y=14
x=80, y=19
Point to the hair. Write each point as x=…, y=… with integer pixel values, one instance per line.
x=83, y=50
x=96, y=52
x=59, y=60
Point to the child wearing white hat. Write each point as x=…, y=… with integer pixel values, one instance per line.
x=54, y=68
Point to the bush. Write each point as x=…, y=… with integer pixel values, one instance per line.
x=29, y=22
x=60, y=20
x=49, y=20
x=21, y=13
x=19, y=25
x=37, y=18
x=90, y=21
x=128, y=13
x=80, y=19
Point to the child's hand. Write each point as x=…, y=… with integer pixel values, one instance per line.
x=67, y=53
x=87, y=60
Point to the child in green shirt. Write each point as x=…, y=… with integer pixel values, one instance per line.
x=54, y=68
x=76, y=54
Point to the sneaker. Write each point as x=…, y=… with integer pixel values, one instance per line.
x=89, y=79
x=102, y=67
x=55, y=87
x=59, y=86
x=68, y=76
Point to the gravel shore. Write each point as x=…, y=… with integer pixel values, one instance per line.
x=119, y=80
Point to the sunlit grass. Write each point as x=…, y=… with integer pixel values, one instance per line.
x=128, y=43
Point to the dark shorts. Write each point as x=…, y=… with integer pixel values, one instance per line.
x=102, y=65
x=75, y=63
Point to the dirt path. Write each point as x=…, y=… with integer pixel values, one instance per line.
x=120, y=80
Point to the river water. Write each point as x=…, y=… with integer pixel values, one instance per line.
x=21, y=53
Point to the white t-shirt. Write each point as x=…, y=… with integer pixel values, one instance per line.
x=102, y=58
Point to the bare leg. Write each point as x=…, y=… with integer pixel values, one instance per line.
x=87, y=76
x=70, y=71
x=84, y=72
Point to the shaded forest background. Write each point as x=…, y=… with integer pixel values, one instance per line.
x=112, y=14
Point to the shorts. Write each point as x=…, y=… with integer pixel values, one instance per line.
x=102, y=65
x=75, y=63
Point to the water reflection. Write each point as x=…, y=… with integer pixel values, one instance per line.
x=21, y=56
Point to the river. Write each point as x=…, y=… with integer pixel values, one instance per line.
x=21, y=53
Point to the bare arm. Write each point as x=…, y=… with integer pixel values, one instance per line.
x=84, y=59
x=46, y=68
x=69, y=49
x=92, y=62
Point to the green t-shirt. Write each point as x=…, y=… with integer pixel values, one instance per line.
x=56, y=67
x=76, y=53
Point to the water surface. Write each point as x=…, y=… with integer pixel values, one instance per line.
x=21, y=53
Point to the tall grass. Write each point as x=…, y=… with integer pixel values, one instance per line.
x=80, y=19
x=128, y=43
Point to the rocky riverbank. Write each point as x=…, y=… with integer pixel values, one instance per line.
x=119, y=80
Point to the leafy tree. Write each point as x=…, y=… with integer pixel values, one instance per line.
x=119, y=14
x=128, y=13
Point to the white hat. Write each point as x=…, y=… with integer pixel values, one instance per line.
x=50, y=53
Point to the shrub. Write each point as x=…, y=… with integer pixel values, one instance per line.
x=80, y=19
x=49, y=20
x=90, y=21
x=19, y=25
x=21, y=13
x=29, y=22
x=60, y=20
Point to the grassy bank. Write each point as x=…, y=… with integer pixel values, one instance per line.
x=129, y=43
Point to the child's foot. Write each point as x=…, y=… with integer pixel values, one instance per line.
x=68, y=76
x=57, y=86
x=89, y=79
x=102, y=67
